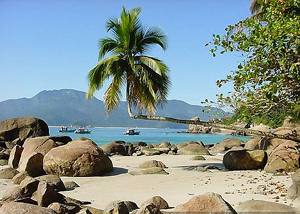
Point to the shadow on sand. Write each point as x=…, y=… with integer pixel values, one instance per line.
x=117, y=171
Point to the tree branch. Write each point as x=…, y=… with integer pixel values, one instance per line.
x=208, y=124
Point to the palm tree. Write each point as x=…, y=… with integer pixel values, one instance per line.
x=146, y=78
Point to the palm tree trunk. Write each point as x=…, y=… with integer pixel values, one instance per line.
x=208, y=124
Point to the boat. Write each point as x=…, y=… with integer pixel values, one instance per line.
x=131, y=132
x=82, y=131
x=66, y=129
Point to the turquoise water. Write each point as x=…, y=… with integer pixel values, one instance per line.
x=105, y=135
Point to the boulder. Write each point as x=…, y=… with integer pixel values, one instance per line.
x=116, y=207
x=284, y=158
x=149, y=171
x=225, y=145
x=258, y=206
x=45, y=195
x=33, y=165
x=8, y=173
x=131, y=205
x=35, y=149
x=165, y=144
x=64, y=208
x=245, y=160
x=3, y=162
x=81, y=157
x=22, y=128
x=229, y=143
x=192, y=148
x=149, y=209
x=18, y=178
x=54, y=181
x=206, y=203
x=115, y=148
x=29, y=185
x=158, y=201
x=18, y=208
x=253, y=143
x=12, y=193
x=262, y=128
x=70, y=185
x=14, y=157
x=150, y=151
x=3, y=156
x=152, y=163
x=198, y=157
x=294, y=189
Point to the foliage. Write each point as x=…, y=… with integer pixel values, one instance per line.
x=146, y=78
x=268, y=77
x=273, y=118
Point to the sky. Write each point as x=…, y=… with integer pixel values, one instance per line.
x=53, y=44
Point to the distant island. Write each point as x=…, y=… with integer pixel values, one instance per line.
x=69, y=107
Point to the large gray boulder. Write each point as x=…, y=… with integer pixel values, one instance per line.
x=81, y=157
x=22, y=128
x=245, y=160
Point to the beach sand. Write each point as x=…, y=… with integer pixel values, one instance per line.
x=179, y=185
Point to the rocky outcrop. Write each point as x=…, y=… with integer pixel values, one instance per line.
x=245, y=160
x=81, y=157
x=283, y=158
x=206, y=203
x=22, y=128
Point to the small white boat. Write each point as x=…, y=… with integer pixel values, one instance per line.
x=66, y=129
x=131, y=132
x=82, y=131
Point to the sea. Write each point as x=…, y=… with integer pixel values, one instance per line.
x=104, y=135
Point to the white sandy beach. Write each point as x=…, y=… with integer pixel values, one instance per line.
x=178, y=186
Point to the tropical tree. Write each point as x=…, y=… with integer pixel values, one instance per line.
x=145, y=78
x=269, y=76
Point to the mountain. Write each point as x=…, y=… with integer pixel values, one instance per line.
x=66, y=107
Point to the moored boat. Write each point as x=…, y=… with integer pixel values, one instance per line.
x=66, y=129
x=131, y=132
x=82, y=131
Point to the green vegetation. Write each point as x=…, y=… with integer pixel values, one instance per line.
x=267, y=81
x=146, y=78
